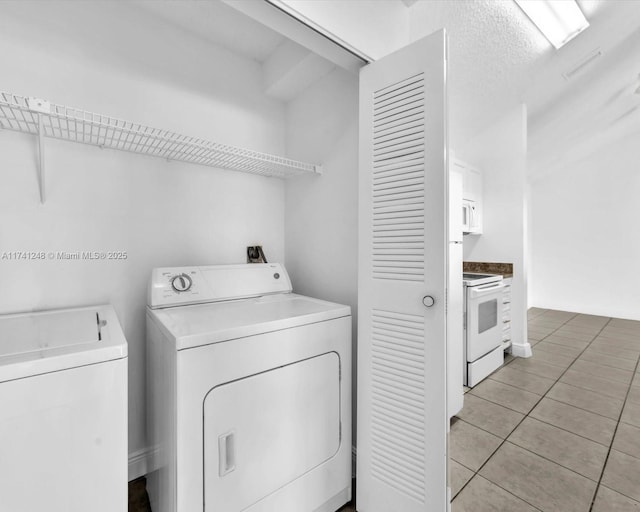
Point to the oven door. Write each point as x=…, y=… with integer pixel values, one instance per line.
x=484, y=319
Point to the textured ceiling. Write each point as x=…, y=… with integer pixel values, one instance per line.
x=499, y=59
x=492, y=56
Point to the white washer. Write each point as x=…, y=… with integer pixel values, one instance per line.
x=63, y=411
x=249, y=393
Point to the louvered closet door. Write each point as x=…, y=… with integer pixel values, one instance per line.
x=402, y=414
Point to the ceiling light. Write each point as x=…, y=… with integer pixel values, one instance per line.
x=558, y=20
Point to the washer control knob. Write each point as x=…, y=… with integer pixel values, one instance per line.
x=181, y=283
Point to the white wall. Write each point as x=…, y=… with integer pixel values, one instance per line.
x=500, y=152
x=322, y=211
x=585, y=242
x=160, y=213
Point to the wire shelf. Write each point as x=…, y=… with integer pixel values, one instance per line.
x=24, y=114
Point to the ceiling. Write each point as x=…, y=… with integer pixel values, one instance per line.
x=498, y=59
x=572, y=118
x=287, y=67
x=216, y=23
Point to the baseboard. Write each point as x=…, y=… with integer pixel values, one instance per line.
x=521, y=349
x=140, y=462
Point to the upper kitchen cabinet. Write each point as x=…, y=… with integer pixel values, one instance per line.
x=472, y=202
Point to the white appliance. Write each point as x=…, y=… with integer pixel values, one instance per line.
x=249, y=392
x=472, y=197
x=470, y=222
x=63, y=411
x=483, y=351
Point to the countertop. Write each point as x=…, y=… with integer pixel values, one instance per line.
x=504, y=269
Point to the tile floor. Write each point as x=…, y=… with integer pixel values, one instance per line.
x=557, y=432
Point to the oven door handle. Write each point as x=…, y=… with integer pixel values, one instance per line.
x=479, y=291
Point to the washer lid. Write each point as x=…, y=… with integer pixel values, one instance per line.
x=47, y=341
x=203, y=324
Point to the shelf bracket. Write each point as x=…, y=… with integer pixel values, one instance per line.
x=41, y=173
x=39, y=107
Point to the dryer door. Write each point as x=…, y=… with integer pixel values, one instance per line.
x=264, y=431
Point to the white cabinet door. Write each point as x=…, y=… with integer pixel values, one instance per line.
x=471, y=181
x=467, y=185
x=455, y=205
x=472, y=194
x=475, y=182
x=402, y=409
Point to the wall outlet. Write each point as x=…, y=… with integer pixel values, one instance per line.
x=255, y=254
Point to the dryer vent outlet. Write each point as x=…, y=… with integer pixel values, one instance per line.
x=255, y=254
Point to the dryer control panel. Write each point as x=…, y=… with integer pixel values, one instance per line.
x=179, y=286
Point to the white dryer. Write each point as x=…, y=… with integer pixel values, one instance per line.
x=249, y=393
x=63, y=411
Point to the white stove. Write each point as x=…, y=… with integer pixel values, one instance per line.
x=483, y=352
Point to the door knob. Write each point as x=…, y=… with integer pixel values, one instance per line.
x=428, y=300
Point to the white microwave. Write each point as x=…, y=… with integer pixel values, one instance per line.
x=470, y=222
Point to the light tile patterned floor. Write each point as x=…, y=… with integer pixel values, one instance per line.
x=557, y=432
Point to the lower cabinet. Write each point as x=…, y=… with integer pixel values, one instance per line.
x=506, y=314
